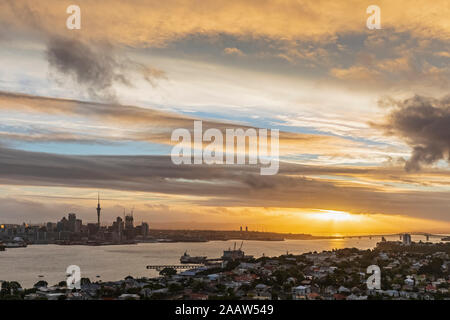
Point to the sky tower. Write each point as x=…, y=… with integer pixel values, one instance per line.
x=98, y=211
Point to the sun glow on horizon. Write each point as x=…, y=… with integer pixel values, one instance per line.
x=334, y=215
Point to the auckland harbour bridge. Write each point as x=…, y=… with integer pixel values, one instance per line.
x=426, y=236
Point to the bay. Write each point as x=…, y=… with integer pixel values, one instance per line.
x=112, y=263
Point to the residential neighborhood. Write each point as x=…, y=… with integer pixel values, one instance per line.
x=419, y=271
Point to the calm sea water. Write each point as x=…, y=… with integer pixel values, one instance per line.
x=116, y=262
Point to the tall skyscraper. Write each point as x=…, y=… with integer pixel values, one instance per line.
x=129, y=222
x=72, y=222
x=98, y=211
x=406, y=239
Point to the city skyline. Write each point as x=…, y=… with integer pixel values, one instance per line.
x=363, y=114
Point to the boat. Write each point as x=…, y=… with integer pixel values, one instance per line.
x=445, y=239
x=15, y=245
x=235, y=254
x=186, y=258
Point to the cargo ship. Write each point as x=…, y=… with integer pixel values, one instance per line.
x=15, y=243
x=186, y=258
x=235, y=254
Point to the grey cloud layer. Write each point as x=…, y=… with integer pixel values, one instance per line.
x=215, y=185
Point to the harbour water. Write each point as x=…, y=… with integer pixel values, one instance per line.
x=49, y=262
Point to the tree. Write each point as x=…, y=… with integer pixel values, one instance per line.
x=198, y=286
x=168, y=272
x=14, y=285
x=280, y=276
x=175, y=287
x=41, y=283
x=434, y=267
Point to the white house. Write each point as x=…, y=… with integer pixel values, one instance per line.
x=301, y=290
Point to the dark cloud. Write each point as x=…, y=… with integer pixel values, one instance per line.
x=424, y=123
x=96, y=68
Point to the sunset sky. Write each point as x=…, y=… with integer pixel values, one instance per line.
x=364, y=115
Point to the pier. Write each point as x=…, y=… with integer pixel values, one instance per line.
x=174, y=266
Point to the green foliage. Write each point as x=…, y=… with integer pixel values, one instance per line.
x=175, y=287
x=168, y=272
x=41, y=283
x=434, y=267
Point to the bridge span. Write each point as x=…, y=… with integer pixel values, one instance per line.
x=370, y=236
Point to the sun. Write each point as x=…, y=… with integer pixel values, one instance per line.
x=333, y=215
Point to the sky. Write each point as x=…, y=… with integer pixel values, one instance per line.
x=363, y=114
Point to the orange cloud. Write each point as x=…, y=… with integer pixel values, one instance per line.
x=156, y=23
x=148, y=124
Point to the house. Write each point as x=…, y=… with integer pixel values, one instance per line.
x=408, y=295
x=248, y=265
x=192, y=272
x=313, y=296
x=343, y=289
x=332, y=269
x=356, y=290
x=233, y=285
x=301, y=290
x=261, y=287
x=420, y=278
x=262, y=296
x=54, y=296
x=245, y=278
x=409, y=281
x=213, y=277
x=262, y=292
x=356, y=297
x=383, y=256
x=32, y=296
x=127, y=296
x=431, y=288
x=338, y=296
x=76, y=296
x=396, y=286
x=198, y=296
x=291, y=280
x=391, y=293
